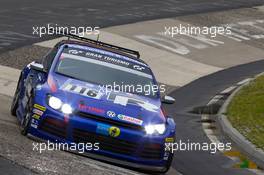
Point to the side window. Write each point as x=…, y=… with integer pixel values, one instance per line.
x=48, y=59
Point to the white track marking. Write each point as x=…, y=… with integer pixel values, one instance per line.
x=244, y=81
x=257, y=172
x=215, y=99
x=209, y=132
x=228, y=90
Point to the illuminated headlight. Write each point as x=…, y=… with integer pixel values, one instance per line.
x=57, y=104
x=54, y=102
x=152, y=129
x=66, y=109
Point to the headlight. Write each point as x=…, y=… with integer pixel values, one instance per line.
x=66, y=109
x=152, y=129
x=57, y=104
x=54, y=102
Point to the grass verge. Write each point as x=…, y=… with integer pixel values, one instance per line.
x=246, y=112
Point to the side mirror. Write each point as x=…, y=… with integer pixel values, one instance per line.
x=168, y=99
x=37, y=66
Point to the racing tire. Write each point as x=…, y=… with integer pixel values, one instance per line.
x=14, y=104
x=168, y=165
x=25, y=123
x=164, y=170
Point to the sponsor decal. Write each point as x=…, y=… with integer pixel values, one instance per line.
x=34, y=123
x=97, y=56
x=99, y=51
x=114, y=131
x=111, y=114
x=35, y=116
x=81, y=90
x=38, y=112
x=124, y=100
x=37, y=106
x=107, y=57
x=130, y=119
x=108, y=130
x=34, y=126
x=169, y=139
x=86, y=108
x=166, y=155
x=103, y=129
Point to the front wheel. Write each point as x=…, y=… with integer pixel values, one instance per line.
x=14, y=104
x=168, y=164
x=25, y=123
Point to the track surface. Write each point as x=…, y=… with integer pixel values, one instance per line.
x=18, y=17
x=7, y=167
x=198, y=93
x=16, y=30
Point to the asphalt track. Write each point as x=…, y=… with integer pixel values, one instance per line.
x=18, y=17
x=8, y=167
x=21, y=17
x=198, y=93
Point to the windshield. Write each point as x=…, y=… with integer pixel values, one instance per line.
x=113, y=73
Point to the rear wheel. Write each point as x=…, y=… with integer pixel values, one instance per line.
x=25, y=123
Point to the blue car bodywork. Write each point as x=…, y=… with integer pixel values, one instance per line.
x=116, y=120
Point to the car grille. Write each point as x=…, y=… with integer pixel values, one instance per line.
x=54, y=126
x=109, y=121
x=105, y=143
x=150, y=151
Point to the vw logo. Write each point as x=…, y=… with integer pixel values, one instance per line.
x=111, y=114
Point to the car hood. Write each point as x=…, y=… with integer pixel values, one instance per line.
x=96, y=100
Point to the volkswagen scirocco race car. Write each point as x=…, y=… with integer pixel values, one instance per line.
x=66, y=98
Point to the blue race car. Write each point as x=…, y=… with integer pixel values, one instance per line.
x=76, y=95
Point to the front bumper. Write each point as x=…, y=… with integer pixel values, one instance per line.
x=131, y=148
x=113, y=160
